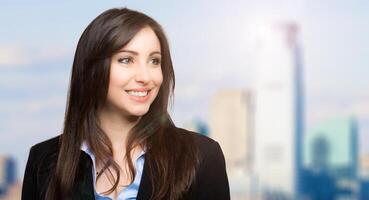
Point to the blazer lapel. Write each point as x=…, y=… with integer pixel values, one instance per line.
x=145, y=189
x=83, y=187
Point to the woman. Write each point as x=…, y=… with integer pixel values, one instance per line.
x=119, y=141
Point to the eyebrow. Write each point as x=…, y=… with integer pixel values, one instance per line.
x=136, y=53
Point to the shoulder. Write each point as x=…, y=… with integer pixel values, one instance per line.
x=209, y=150
x=205, y=145
x=46, y=147
x=41, y=159
x=44, y=152
x=47, y=144
x=211, y=180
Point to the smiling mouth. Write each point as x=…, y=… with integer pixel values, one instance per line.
x=138, y=93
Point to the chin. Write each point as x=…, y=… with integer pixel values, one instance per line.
x=139, y=113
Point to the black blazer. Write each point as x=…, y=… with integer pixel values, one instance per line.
x=211, y=180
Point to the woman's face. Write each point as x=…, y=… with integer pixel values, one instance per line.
x=135, y=75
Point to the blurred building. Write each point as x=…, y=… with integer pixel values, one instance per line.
x=333, y=145
x=241, y=185
x=7, y=173
x=230, y=123
x=14, y=192
x=331, y=160
x=364, y=166
x=279, y=116
x=364, y=176
x=364, y=190
x=197, y=125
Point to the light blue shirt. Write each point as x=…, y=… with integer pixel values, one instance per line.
x=128, y=193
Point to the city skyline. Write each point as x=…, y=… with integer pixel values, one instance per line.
x=36, y=53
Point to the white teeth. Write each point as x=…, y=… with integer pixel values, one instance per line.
x=136, y=93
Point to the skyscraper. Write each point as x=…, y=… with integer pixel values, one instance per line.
x=231, y=125
x=279, y=110
x=331, y=153
x=7, y=173
x=364, y=166
x=333, y=145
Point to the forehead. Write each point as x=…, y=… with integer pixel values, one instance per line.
x=145, y=40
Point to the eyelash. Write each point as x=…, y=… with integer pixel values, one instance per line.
x=128, y=60
x=122, y=60
x=156, y=60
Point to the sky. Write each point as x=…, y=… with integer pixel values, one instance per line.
x=212, y=48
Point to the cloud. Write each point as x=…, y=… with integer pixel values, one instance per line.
x=361, y=109
x=36, y=113
x=13, y=55
x=18, y=55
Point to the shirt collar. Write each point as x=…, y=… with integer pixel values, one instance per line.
x=86, y=149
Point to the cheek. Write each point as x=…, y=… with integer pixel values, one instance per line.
x=118, y=78
x=159, y=78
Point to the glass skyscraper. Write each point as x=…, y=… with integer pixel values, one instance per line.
x=279, y=111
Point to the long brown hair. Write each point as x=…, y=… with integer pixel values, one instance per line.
x=171, y=160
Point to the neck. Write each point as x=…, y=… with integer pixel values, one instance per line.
x=117, y=126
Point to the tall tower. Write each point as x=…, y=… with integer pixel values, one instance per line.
x=279, y=111
x=231, y=124
x=7, y=173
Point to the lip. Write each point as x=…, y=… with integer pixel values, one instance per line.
x=137, y=98
x=139, y=89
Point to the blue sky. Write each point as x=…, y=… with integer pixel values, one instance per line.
x=211, y=49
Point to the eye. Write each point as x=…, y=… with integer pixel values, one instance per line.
x=126, y=60
x=155, y=61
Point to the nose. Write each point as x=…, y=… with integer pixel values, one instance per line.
x=142, y=74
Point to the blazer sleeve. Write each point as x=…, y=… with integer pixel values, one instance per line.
x=213, y=180
x=29, y=187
